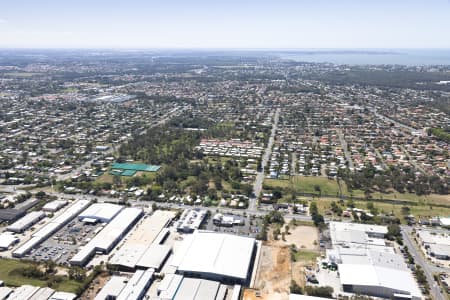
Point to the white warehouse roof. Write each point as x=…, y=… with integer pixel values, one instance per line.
x=216, y=254
x=112, y=288
x=103, y=212
x=26, y=221
x=63, y=296
x=380, y=277
x=197, y=289
x=137, y=285
x=23, y=292
x=54, y=205
x=109, y=236
x=7, y=239
x=137, y=246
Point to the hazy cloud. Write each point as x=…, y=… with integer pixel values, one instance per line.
x=2, y=21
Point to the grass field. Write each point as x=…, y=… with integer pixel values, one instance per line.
x=8, y=273
x=306, y=255
x=306, y=184
x=324, y=204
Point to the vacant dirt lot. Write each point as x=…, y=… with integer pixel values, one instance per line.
x=274, y=274
x=276, y=270
x=304, y=237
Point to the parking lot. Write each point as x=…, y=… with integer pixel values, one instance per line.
x=250, y=228
x=64, y=244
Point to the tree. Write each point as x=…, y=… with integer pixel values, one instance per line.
x=50, y=266
x=41, y=195
x=394, y=231
x=295, y=288
x=77, y=273
x=320, y=291
x=117, y=180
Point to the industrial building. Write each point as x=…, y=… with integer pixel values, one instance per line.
x=26, y=221
x=436, y=243
x=137, y=286
x=227, y=220
x=5, y=292
x=50, y=228
x=111, y=234
x=215, y=256
x=177, y=287
x=42, y=294
x=54, y=206
x=63, y=296
x=198, y=289
x=190, y=220
x=23, y=292
x=354, y=234
x=100, y=212
x=7, y=240
x=143, y=249
x=360, y=249
x=111, y=290
x=10, y=214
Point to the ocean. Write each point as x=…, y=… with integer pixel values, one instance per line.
x=409, y=57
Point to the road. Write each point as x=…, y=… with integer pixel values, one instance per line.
x=396, y=123
x=294, y=164
x=413, y=161
x=380, y=157
x=345, y=148
x=138, y=203
x=257, y=185
x=428, y=269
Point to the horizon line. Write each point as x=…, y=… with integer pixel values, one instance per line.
x=226, y=49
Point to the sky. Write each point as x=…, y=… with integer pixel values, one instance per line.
x=236, y=24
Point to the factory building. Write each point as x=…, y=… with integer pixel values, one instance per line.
x=50, y=228
x=436, y=243
x=143, y=248
x=5, y=292
x=7, y=240
x=111, y=234
x=178, y=287
x=360, y=249
x=227, y=220
x=54, y=206
x=190, y=220
x=100, y=212
x=216, y=256
x=111, y=290
x=137, y=286
x=26, y=221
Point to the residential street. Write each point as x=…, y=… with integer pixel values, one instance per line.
x=257, y=186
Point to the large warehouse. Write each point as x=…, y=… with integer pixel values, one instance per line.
x=100, y=212
x=143, y=247
x=216, y=256
x=106, y=239
x=26, y=221
x=7, y=239
x=360, y=249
